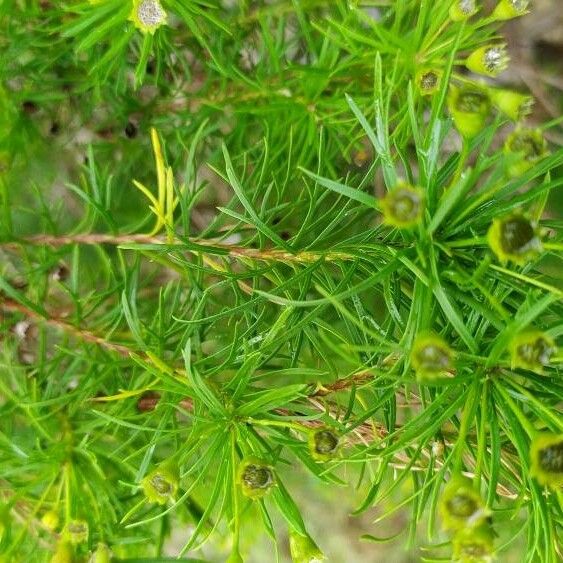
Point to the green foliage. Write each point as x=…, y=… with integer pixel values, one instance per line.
x=167, y=324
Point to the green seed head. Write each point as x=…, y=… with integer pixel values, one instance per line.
x=470, y=107
x=514, y=238
x=256, y=478
x=431, y=358
x=161, y=485
x=461, y=505
x=403, y=207
x=323, y=444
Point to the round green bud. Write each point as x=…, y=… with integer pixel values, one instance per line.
x=323, y=444
x=532, y=350
x=431, y=358
x=461, y=505
x=303, y=549
x=256, y=477
x=546, y=455
x=514, y=238
x=462, y=9
x=469, y=107
x=489, y=60
x=403, y=207
x=474, y=545
x=524, y=147
x=76, y=531
x=509, y=9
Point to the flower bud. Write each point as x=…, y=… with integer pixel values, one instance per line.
x=403, y=206
x=524, y=147
x=323, y=444
x=508, y=9
x=256, y=477
x=514, y=105
x=474, y=545
x=101, y=555
x=428, y=81
x=546, y=455
x=514, y=238
x=161, y=484
x=63, y=553
x=147, y=15
x=303, y=549
x=489, y=60
x=76, y=531
x=470, y=107
x=463, y=9
x=50, y=520
x=431, y=358
x=532, y=350
x=461, y=505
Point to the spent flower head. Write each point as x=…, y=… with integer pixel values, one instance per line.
x=532, y=350
x=428, y=81
x=489, y=60
x=431, y=358
x=403, y=206
x=470, y=107
x=514, y=105
x=148, y=15
x=514, y=238
x=524, y=148
x=161, y=484
x=323, y=444
x=474, y=545
x=256, y=477
x=462, y=9
x=509, y=9
x=461, y=506
x=546, y=457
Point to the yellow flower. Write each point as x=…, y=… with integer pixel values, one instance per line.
x=147, y=15
x=431, y=358
x=532, y=350
x=514, y=238
x=256, y=477
x=546, y=455
x=403, y=206
x=489, y=60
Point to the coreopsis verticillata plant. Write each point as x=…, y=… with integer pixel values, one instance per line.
x=236, y=237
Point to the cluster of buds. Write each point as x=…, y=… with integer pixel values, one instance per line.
x=303, y=549
x=256, y=477
x=546, y=455
x=161, y=484
x=532, y=350
x=403, y=206
x=431, y=358
x=147, y=15
x=514, y=238
x=323, y=444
